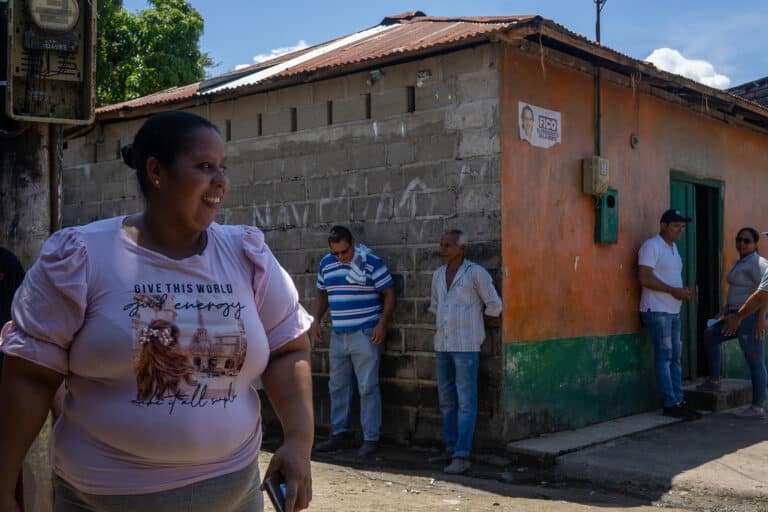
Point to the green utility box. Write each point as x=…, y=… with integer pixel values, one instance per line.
x=607, y=217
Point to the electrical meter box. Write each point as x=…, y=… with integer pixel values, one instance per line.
x=595, y=175
x=51, y=70
x=607, y=217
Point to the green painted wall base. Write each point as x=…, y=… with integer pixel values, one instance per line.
x=734, y=365
x=569, y=383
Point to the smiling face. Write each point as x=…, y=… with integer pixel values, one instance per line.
x=526, y=119
x=193, y=187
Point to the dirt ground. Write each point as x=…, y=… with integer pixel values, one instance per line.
x=399, y=481
x=342, y=487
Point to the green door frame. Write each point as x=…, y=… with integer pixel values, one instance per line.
x=707, y=182
x=690, y=330
x=716, y=184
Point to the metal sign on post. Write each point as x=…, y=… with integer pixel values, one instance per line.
x=51, y=71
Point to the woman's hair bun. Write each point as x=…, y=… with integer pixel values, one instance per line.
x=129, y=155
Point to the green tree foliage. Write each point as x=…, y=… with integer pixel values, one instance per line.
x=139, y=54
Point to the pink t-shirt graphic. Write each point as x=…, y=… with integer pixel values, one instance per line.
x=159, y=354
x=174, y=359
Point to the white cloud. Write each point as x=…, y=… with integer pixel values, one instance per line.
x=274, y=52
x=701, y=71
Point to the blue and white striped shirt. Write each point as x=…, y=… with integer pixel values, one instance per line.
x=353, y=306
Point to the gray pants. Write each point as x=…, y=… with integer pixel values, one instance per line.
x=233, y=492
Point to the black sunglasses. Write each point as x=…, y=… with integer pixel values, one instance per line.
x=744, y=240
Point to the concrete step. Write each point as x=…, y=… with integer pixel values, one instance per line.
x=734, y=392
x=720, y=456
x=547, y=447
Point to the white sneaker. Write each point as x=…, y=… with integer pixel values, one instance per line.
x=751, y=412
x=458, y=466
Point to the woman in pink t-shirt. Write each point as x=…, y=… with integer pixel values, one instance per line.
x=159, y=322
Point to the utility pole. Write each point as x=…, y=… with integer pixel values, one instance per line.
x=24, y=189
x=599, y=4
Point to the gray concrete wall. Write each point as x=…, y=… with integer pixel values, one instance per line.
x=358, y=156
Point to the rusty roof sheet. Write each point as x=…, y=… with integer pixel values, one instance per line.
x=403, y=39
x=189, y=91
x=672, y=77
x=297, y=62
x=167, y=96
x=415, y=32
x=754, y=90
x=400, y=35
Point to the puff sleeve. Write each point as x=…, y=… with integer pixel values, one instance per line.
x=276, y=297
x=49, y=307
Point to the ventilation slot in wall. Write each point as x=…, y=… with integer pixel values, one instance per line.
x=411, y=98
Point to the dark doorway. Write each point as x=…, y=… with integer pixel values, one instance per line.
x=701, y=249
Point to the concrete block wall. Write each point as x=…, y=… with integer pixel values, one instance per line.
x=96, y=184
x=398, y=160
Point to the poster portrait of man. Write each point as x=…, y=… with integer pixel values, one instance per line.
x=538, y=126
x=526, y=123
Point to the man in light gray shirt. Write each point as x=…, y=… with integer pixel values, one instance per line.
x=462, y=293
x=744, y=278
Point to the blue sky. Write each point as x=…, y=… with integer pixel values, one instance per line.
x=719, y=43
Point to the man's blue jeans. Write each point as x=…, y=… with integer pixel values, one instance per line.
x=353, y=355
x=752, y=347
x=457, y=393
x=665, y=332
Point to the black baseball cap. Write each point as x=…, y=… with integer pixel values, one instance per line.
x=673, y=215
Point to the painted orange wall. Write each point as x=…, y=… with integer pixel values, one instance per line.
x=557, y=283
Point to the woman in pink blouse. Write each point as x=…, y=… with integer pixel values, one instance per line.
x=177, y=429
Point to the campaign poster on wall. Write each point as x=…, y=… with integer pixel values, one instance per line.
x=540, y=127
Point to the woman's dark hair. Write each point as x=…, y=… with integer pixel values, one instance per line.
x=162, y=364
x=751, y=231
x=163, y=136
x=339, y=233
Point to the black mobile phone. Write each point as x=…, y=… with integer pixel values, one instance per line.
x=275, y=486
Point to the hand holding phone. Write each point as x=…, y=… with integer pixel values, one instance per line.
x=275, y=487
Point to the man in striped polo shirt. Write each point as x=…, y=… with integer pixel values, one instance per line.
x=358, y=288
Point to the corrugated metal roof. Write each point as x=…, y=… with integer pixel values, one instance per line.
x=166, y=96
x=672, y=77
x=402, y=39
x=401, y=35
x=755, y=90
x=296, y=62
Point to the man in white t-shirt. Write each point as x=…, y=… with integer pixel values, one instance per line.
x=660, y=272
